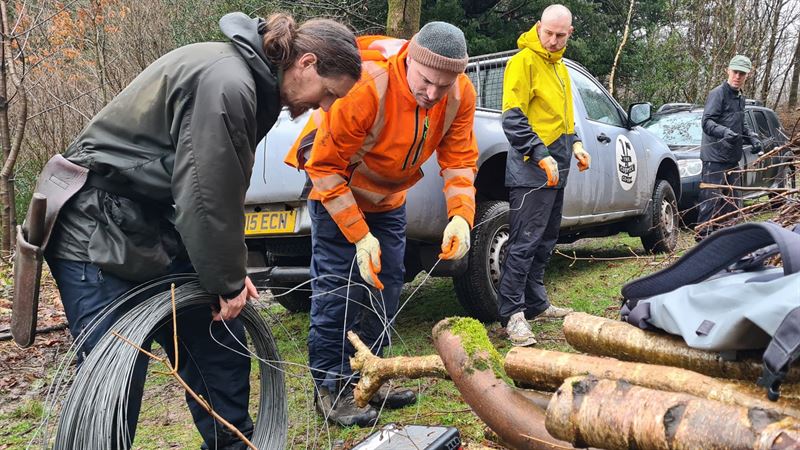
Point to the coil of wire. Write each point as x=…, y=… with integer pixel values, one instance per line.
x=91, y=412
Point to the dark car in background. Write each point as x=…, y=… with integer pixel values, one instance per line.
x=679, y=126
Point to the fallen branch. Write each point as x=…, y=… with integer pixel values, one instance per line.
x=61, y=326
x=471, y=362
x=747, y=188
x=375, y=371
x=604, y=337
x=617, y=415
x=547, y=370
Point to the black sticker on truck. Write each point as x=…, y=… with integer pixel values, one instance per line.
x=626, y=163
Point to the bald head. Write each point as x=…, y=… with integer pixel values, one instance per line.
x=555, y=28
x=557, y=13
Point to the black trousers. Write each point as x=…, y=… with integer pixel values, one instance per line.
x=535, y=219
x=717, y=202
x=211, y=370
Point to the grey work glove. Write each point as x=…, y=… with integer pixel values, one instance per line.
x=729, y=134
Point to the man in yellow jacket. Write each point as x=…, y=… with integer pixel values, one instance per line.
x=413, y=99
x=538, y=122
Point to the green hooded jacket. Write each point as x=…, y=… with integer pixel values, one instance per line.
x=178, y=144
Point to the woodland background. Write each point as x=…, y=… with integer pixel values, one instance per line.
x=61, y=62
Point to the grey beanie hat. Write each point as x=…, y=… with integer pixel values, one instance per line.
x=440, y=45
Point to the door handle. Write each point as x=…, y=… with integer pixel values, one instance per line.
x=603, y=138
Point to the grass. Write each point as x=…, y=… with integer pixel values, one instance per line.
x=588, y=279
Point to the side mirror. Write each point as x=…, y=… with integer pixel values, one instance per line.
x=639, y=113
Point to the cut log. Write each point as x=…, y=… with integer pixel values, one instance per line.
x=614, y=414
x=375, y=371
x=547, y=370
x=600, y=336
x=470, y=360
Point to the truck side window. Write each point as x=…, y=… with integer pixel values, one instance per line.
x=773, y=119
x=599, y=107
x=763, y=126
x=749, y=119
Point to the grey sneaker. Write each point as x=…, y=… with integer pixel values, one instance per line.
x=519, y=330
x=554, y=312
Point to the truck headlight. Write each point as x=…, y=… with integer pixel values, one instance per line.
x=689, y=167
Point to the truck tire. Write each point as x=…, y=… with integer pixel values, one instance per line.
x=476, y=288
x=788, y=180
x=663, y=234
x=296, y=301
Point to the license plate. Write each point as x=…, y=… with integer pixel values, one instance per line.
x=269, y=222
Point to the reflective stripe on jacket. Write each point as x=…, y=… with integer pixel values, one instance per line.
x=537, y=112
x=369, y=147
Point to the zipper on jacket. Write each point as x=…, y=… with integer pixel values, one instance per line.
x=564, y=91
x=421, y=141
x=416, y=129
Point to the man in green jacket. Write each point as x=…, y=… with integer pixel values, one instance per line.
x=169, y=162
x=538, y=122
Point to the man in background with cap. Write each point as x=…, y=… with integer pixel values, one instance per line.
x=413, y=99
x=538, y=122
x=724, y=128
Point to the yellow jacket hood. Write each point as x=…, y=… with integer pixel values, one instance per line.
x=530, y=40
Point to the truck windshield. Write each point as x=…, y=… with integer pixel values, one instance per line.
x=680, y=128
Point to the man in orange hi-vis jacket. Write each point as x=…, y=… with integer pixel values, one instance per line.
x=413, y=99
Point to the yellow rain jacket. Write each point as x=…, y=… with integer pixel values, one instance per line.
x=537, y=112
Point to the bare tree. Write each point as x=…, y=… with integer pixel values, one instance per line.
x=9, y=60
x=793, y=87
x=402, y=19
x=619, y=49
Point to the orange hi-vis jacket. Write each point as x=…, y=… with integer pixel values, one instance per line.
x=369, y=147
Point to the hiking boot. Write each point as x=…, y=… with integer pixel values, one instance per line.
x=554, y=312
x=343, y=411
x=519, y=330
x=392, y=398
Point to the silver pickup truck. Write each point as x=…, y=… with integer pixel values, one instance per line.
x=632, y=186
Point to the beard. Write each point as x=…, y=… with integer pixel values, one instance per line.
x=297, y=110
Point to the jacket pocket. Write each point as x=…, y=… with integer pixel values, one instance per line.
x=132, y=242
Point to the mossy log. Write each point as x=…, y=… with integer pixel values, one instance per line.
x=374, y=371
x=468, y=356
x=600, y=336
x=547, y=370
x=614, y=414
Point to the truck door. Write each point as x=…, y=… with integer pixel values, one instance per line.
x=618, y=179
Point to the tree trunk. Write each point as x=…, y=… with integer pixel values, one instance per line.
x=10, y=149
x=402, y=18
x=793, y=87
x=776, y=14
x=513, y=416
x=546, y=370
x=617, y=415
x=5, y=141
x=600, y=336
x=619, y=50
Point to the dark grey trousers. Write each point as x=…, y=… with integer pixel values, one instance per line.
x=534, y=223
x=717, y=202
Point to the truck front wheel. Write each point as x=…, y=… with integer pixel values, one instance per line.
x=476, y=288
x=663, y=234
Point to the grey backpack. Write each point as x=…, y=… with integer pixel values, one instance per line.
x=721, y=296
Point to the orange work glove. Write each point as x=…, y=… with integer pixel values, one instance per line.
x=550, y=167
x=455, y=240
x=368, y=256
x=583, y=157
